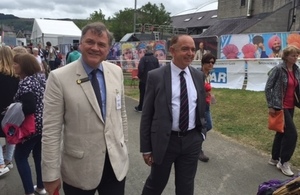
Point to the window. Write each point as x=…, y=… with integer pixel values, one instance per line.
x=214, y=16
x=188, y=19
x=200, y=18
x=243, y=2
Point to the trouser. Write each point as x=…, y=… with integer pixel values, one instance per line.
x=142, y=88
x=109, y=185
x=284, y=144
x=52, y=65
x=21, y=157
x=8, y=154
x=184, y=153
x=208, y=121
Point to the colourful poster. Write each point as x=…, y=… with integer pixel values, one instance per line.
x=263, y=45
x=128, y=54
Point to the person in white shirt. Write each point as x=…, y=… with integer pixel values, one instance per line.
x=200, y=52
x=35, y=52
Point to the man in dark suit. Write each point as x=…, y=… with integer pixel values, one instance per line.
x=163, y=137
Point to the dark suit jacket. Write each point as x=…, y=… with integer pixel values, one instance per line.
x=156, y=121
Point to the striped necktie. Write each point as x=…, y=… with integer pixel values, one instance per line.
x=184, y=104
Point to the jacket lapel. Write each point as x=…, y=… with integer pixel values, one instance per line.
x=88, y=89
x=109, y=89
x=168, y=87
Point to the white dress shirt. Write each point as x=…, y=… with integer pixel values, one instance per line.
x=192, y=97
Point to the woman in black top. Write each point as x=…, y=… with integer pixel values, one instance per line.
x=8, y=88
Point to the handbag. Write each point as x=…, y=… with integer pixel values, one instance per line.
x=276, y=121
x=15, y=125
x=15, y=134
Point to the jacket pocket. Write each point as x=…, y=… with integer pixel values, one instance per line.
x=74, y=153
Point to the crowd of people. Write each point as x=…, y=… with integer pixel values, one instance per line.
x=80, y=142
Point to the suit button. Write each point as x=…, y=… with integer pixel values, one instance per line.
x=168, y=134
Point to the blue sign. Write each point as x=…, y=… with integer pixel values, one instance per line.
x=219, y=75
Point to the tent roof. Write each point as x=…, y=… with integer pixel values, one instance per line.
x=58, y=27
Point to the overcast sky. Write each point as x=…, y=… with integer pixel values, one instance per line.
x=81, y=9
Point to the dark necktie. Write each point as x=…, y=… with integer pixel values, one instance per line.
x=184, y=105
x=96, y=88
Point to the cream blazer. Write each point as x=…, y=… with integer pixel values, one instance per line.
x=75, y=137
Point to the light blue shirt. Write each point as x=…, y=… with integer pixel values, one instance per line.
x=101, y=81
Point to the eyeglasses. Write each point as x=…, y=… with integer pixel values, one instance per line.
x=210, y=62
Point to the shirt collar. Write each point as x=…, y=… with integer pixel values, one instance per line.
x=89, y=69
x=177, y=70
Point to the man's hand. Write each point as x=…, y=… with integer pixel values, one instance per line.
x=148, y=159
x=52, y=186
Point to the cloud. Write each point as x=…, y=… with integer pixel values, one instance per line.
x=81, y=9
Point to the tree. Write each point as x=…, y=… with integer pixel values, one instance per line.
x=154, y=15
x=94, y=17
x=97, y=17
x=121, y=23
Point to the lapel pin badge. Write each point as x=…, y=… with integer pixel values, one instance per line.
x=79, y=81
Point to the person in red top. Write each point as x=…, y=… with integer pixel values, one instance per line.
x=208, y=60
x=282, y=83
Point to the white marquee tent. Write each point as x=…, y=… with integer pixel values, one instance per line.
x=58, y=32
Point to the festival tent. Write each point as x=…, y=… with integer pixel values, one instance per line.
x=58, y=32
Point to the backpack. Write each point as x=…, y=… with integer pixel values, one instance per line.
x=268, y=187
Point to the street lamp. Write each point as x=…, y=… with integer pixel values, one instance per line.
x=134, y=16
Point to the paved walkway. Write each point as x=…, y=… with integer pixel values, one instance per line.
x=233, y=169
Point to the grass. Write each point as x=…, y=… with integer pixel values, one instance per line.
x=241, y=115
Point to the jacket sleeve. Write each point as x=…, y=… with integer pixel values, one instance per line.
x=141, y=68
x=28, y=102
x=272, y=85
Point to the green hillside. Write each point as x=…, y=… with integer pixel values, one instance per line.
x=15, y=23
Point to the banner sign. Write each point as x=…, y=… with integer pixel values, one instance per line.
x=257, y=73
x=263, y=45
x=228, y=74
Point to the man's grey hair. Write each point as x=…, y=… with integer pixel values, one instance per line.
x=98, y=28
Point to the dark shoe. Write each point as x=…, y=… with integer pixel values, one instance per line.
x=137, y=109
x=203, y=158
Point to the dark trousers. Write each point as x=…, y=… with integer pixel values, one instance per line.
x=208, y=121
x=284, y=144
x=142, y=88
x=52, y=65
x=22, y=152
x=184, y=153
x=109, y=185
